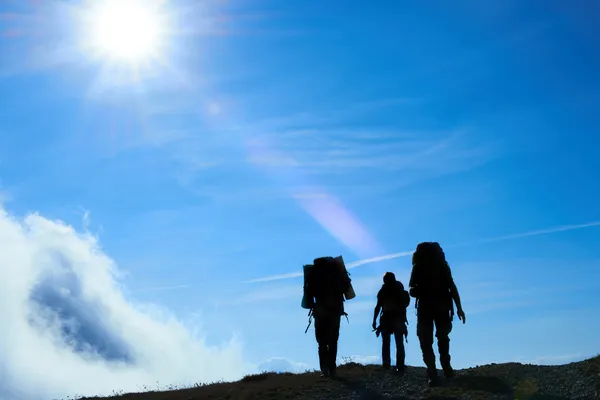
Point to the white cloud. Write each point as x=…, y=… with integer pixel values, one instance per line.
x=552, y=360
x=280, y=364
x=68, y=329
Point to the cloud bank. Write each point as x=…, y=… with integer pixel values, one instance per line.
x=67, y=327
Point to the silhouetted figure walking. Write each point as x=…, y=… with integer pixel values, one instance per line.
x=328, y=312
x=392, y=301
x=326, y=284
x=431, y=283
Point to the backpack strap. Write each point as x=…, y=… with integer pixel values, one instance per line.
x=310, y=315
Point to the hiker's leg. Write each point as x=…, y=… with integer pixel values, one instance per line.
x=333, y=342
x=321, y=336
x=385, y=348
x=425, y=334
x=443, y=327
x=399, y=340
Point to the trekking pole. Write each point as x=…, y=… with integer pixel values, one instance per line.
x=309, y=320
x=377, y=331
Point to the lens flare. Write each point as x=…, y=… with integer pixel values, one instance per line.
x=323, y=207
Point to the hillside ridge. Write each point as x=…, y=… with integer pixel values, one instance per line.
x=577, y=380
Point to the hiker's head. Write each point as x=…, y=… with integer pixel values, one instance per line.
x=389, y=278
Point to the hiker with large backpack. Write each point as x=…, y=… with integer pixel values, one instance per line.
x=392, y=301
x=431, y=283
x=326, y=283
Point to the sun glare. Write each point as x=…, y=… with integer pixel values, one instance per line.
x=126, y=30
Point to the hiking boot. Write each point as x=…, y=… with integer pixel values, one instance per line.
x=401, y=370
x=433, y=378
x=433, y=382
x=385, y=366
x=449, y=372
x=446, y=367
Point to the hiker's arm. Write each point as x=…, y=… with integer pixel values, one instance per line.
x=455, y=294
x=453, y=288
x=413, y=289
x=376, y=314
x=456, y=297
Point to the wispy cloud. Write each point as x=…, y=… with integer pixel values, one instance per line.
x=161, y=288
x=269, y=278
x=562, y=228
x=335, y=151
x=392, y=256
x=293, y=162
x=311, y=120
x=354, y=264
x=351, y=265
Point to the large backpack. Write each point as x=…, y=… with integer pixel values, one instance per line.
x=431, y=275
x=394, y=300
x=328, y=279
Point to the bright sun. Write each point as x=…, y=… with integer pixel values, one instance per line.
x=126, y=30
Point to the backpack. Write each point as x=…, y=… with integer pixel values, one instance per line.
x=327, y=281
x=328, y=278
x=394, y=300
x=431, y=275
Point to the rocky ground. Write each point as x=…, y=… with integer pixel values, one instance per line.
x=580, y=380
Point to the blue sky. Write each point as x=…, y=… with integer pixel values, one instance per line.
x=270, y=133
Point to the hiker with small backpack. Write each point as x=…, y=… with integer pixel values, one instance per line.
x=326, y=284
x=431, y=283
x=392, y=301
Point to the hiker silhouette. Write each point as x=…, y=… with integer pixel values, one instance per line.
x=392, y=301
x=431, y=283
x=326, y=284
